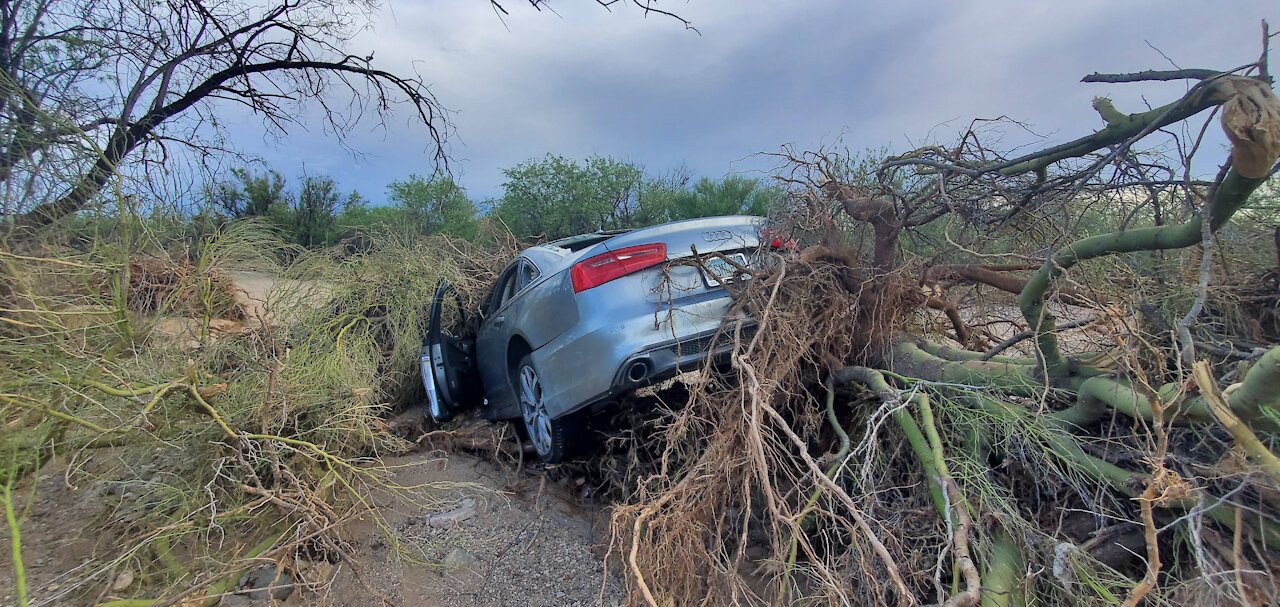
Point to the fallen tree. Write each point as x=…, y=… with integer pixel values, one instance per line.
x=853, y=456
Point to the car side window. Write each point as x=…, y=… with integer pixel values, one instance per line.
x=486, y=304
x=511, y=287
x=512, y=281
x=502, y=289
x=526, y=275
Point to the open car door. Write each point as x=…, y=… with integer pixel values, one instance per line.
x=448, y=359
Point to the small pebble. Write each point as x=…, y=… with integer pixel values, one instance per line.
x=459, y=558
x=122, y=581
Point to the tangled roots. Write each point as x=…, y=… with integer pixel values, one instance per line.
x=741, y=508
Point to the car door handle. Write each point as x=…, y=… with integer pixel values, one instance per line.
x=497, y=322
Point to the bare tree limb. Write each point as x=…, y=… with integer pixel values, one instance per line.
x=1150, y=75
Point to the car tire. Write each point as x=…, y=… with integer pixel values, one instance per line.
x=553, y=439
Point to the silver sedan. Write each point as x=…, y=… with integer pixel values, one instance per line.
x=573, y=324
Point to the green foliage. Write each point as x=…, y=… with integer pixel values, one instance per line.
x=250, y=195
x=362, y=217
x=734, y=195
x=656, y=198
x=551, y=197
x=313, y=216
x=434, y=205
x=555, y=197
x=316, y=209
x=319, y=214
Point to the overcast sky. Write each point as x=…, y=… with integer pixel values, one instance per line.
x=761, y=74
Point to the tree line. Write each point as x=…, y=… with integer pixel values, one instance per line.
x=542, y=198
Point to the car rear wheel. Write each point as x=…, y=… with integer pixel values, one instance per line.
x=552, y=438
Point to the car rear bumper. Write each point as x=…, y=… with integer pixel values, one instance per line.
x=580, y=369
x=665, y=361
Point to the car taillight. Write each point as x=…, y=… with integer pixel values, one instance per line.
x=595, y=271
x=777, y=240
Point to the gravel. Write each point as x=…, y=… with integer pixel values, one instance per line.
x=508, y=543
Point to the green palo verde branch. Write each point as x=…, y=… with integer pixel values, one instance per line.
x=1251, y=118
x=920, y=445
x=1121, y=127
x=1230, y=195
x=1002, y=564
x=1094, y=393
x=1001, y=569
x=156, y=393
x=1251, y=399
x=1059, y=443
x=801, y=522
x=1254, y=400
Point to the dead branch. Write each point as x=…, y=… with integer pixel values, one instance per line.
x=1153, y=75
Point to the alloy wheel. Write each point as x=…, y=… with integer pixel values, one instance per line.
x=536, y=419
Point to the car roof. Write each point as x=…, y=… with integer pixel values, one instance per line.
x=547, y=259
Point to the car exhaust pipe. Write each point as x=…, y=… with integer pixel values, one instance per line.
x=638, y=371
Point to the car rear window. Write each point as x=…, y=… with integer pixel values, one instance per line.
x=578, y=243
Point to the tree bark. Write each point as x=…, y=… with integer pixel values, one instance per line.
x=879, y=214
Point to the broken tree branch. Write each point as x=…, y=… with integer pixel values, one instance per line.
x=1150, y=75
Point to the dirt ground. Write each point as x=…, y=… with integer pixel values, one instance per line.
x=472, y=533
x=530, y=542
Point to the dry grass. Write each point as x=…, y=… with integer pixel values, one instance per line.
x=271, y=435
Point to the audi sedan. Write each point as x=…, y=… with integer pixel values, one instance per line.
x=572, y=325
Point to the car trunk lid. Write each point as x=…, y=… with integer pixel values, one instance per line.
x=735, y=237
x=706, y=235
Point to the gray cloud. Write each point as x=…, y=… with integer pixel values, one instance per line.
x=587, y=81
